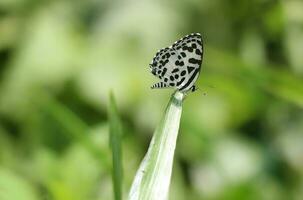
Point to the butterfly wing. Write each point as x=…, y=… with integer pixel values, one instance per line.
x=163, y=65
x=179, y=65
x=190, y=52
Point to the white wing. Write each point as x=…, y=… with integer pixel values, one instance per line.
x=190, y=52
x=179, y=65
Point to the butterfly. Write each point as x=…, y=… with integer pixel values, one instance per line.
x=178, y=66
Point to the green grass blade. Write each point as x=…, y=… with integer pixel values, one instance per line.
x=115, y=144
x=152, y=179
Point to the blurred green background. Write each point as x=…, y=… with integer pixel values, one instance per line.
x=60, y=59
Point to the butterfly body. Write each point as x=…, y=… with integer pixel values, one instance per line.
x=179, y=65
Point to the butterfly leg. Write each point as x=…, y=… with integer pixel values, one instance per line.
x=160, y=85
x=194, y=88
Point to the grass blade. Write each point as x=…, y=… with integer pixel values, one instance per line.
x=152, y=179
x=115, y=132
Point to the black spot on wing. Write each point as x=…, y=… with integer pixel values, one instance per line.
x=175, y=70
x=186, y=48
x=164, y=62
x=190, y=49
x=163, y=72
x=194, y=61
x=178, y=63
x=190, y=69
x=198, y=52
x=181, y=81
x=183, y=73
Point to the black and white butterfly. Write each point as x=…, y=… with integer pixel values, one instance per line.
x=178, y=66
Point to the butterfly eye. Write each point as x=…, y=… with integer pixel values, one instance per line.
x=153, y=71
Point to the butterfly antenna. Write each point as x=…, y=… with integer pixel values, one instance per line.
x=204, y=93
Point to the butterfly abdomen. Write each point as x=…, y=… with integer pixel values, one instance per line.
x=158, y=85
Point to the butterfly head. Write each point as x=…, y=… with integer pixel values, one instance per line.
x=153, y=69
x=154, y=66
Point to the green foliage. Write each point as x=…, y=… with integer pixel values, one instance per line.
x=8, y=184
